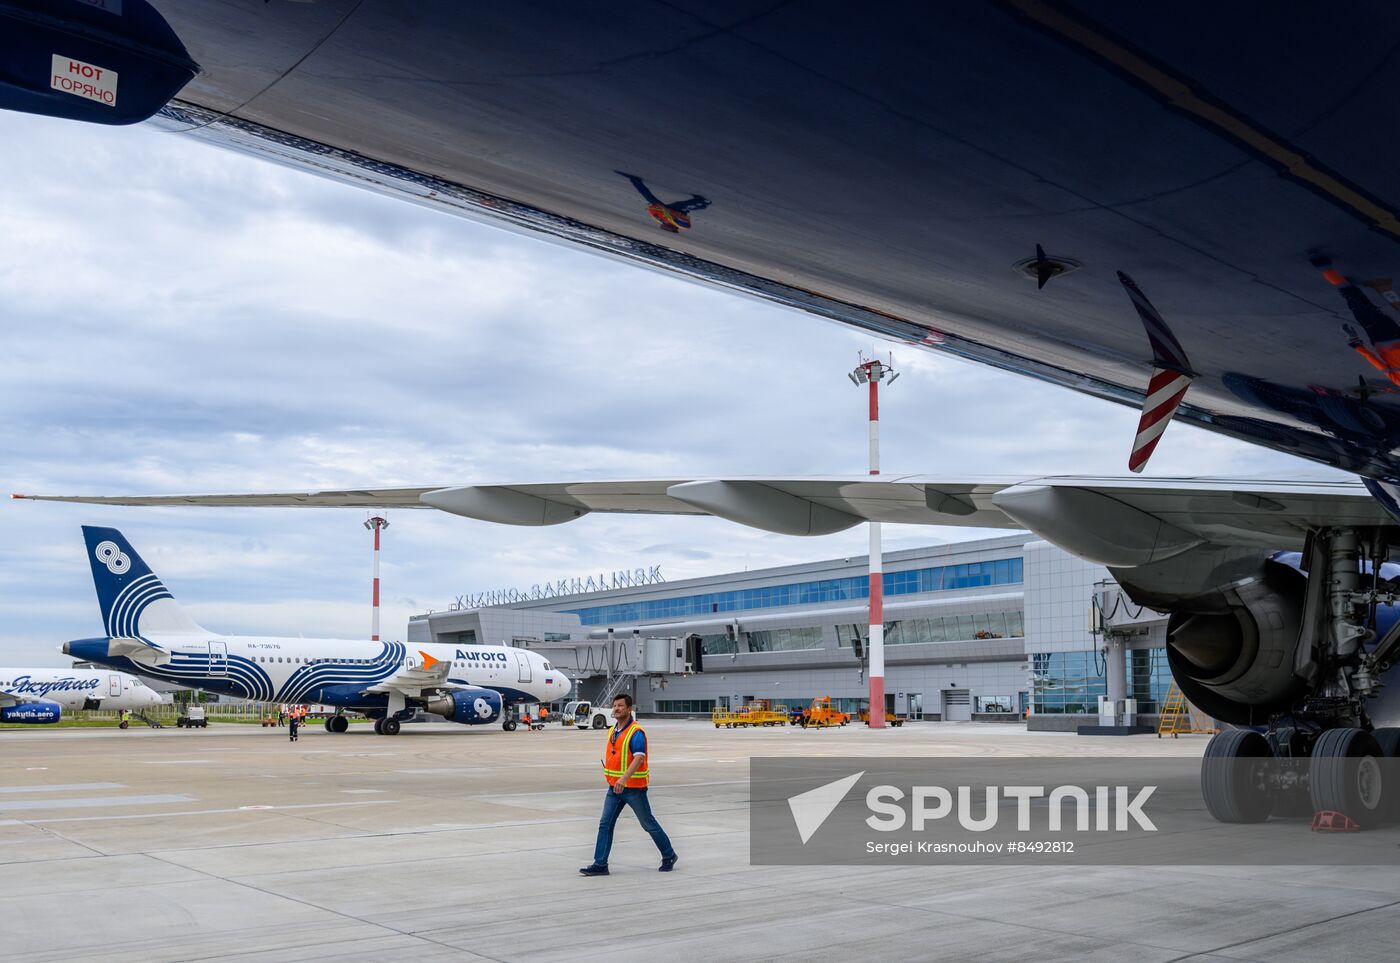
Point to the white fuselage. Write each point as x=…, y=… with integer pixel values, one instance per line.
x=78, y=688
x=338, y=671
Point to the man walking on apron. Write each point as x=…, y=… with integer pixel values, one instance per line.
x=626, y=770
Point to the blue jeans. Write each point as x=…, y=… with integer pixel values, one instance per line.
x=612, y=808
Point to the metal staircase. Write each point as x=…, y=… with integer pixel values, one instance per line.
x=1180, y=716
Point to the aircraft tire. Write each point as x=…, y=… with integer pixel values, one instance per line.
x=328, y=724
x=338, y=723
x=389, y=727
x=508, y=725
x=1347, y=776
x=1229, y=783
x=379, y=727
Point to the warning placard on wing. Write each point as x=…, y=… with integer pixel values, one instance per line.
x=84, y=80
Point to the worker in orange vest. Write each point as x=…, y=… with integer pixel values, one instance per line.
x=626, y=768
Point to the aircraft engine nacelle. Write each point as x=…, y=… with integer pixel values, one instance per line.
x=1233, y=651
x=473, y=706
x=35, y=713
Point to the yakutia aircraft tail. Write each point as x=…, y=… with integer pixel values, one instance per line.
x=135, y=603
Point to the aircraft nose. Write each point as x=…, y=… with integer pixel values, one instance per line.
x=565, y=687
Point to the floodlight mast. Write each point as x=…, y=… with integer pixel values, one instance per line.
x=377, y=523
x=871, y=372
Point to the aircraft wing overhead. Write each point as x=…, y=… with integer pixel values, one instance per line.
x=1135, y=517
x=8, y=699
x=1119, y=521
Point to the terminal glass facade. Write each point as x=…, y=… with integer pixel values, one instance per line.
x=1068, y=682
x=785, y=640
x=947, y=628
x=942, y=578
x=1149, y=677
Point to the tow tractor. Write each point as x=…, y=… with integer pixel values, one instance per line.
x=584, y=715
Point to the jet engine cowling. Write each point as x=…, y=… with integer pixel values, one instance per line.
x=1233, y=649
x=473, y=706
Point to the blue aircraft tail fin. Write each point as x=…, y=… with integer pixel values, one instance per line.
x=135, y=603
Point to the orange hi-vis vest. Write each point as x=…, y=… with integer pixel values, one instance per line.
x=619, y=756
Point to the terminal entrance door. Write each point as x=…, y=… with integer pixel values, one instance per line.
x=523, y=664
x=957, y=705
x=218, y=658
x=916, y=706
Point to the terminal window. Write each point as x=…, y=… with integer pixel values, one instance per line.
x=685, y=705
x=1068, y=682
x=785, y=640
x=1006, y=571
x=947, y=628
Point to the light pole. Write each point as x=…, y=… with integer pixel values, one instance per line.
x=376, y=523
x=872, y=372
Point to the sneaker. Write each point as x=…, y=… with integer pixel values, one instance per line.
x=667, y=864
x=593, y=870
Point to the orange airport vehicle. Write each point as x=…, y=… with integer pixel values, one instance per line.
x=890, y=718
x=822, y=714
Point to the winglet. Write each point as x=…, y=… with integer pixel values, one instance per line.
x=428, y=660
x=1171, y=376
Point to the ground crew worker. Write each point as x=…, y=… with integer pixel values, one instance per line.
x=526, y=719
x=293, y=723
x=627, y=771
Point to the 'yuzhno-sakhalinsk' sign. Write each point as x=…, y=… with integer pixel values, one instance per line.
x=627, y=578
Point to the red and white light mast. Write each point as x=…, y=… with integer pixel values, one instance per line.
x=376, y=523
x=871, y=373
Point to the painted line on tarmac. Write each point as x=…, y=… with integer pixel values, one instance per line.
x=90, y=802
x=176, y=762
x=63, y=787
x=196, y=812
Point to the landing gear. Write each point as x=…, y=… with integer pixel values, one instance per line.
x=508, y=725
x=1235, y=778
x=328, y=723
x=1346, y=776
x=337, y=723
x=388, y=726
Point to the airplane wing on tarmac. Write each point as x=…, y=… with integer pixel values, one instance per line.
x=1117, y=521
x=415, y=680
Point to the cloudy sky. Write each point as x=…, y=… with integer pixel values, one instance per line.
x=183, y=319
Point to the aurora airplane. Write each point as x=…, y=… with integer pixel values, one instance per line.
x=147, y=632
x=41, y=696
x=1151, y=206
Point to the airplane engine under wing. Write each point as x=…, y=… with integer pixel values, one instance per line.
x=472, y=706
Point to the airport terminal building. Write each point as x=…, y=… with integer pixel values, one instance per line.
x=974, y=630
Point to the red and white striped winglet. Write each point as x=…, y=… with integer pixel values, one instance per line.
x=1164, y=394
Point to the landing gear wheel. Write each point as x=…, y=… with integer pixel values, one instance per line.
x=338, y=724
x=379, y=727
x=1232, y=784
x=1347, y=776
x=508, y=725
x=389, y=726
x=598, y=723
x=328, y=723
